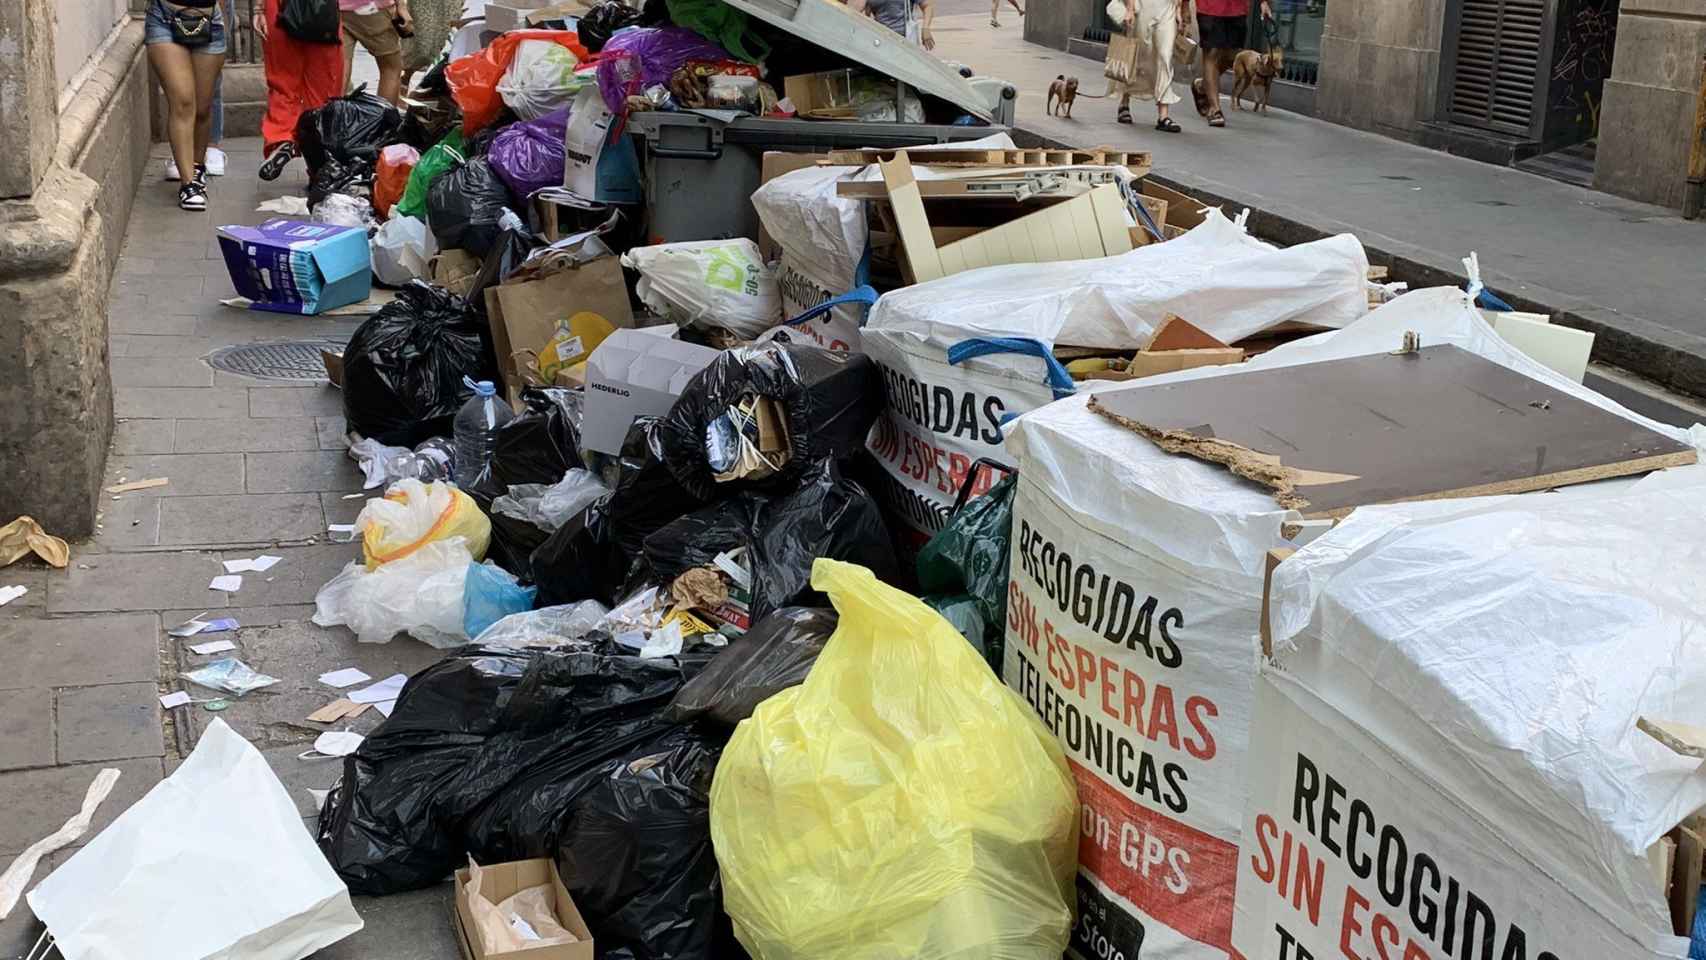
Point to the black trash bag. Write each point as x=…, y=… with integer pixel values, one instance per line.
x=602, y=20
x=310, y=21
x=354, y=177
x=515, y=240
x=540, y=446
x=483, y=754
x=589, y=558
x=465, y=205
x=966, y=561
x=828, y=402
x=634, y=851
x=403, y=368
x=828, y=515
x=349, y=129
x=774, y=655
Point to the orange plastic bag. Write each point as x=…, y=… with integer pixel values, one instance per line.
x=474, y=78
x=396, y=162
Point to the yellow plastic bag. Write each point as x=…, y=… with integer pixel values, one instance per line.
x=413, y=514
x=901, y=803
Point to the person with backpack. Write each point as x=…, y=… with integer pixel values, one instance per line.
x=301, y=75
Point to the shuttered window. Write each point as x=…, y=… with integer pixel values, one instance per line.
x=1497, y=64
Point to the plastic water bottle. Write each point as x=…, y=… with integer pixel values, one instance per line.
x=476, y=430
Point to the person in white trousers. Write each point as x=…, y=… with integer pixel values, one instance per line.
x=1155, y=24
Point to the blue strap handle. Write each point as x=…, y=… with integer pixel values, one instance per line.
x=1491, y=301
x=1058, y=379
x=864, y=295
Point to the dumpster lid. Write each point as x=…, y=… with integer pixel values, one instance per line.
x=833, y=26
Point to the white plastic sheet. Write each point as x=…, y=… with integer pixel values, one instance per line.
x=213, y=864
x=1472, y=671
x=1139, y=572
x=943, y=417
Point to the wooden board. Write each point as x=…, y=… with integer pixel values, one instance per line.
x=1137, y=161
x=1177, y=333
x=1441, y=422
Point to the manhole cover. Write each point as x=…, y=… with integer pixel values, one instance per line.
x=279, y=360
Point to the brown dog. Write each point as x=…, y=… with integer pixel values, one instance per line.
x=1252, y=69
x=1064, y=89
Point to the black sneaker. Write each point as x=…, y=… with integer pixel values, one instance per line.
x=275, y=162
x=193, y=196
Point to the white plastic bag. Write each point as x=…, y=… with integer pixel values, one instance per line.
x=343, y=210
x=212, y=864
x=1140, y=572
x=708, y=283
x=541, y=78
x=419, y=594
x=550, y=506
x=545, y=627
x=401, y=250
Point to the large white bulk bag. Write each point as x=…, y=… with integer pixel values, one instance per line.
x=1132, y=625
x=949, y=348
x=1445, y=760
x=823, y=237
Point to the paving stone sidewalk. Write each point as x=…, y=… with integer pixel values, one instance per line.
x=252, y=466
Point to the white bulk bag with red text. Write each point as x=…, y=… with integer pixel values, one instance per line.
x=942, y=416
x=1445, y=760
x=1132, y=623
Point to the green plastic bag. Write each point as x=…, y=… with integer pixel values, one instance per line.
x=967, y=561
x=717, y=21
x=439, y=160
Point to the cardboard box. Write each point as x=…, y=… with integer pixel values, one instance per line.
x=635, y=373
x=455, y=270
x=527, y=316
x=507, y=879
x=506, y=15
x=827, y=95
x=292, y=266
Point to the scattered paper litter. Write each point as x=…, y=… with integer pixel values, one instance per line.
x=319, y=796
x=138, y=485
x=289, y=206
x=8, y=594
x=25, y=535
x=220, y=626
x=229, y=582
x=352, y=496
x=229, y=675
x=386, y=689
x=213, y=646
x=338, y=709
x=260, y=564
x=17, y=876
x=664, y=642
x=335, y=743
x=347, y=677
x=175, y=699
x=346, y=529
x=190, y=627
x=385, y=706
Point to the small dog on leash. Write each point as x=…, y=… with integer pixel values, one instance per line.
x=1252, y=69
x=1061, y=93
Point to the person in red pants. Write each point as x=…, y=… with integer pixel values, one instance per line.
x=300, y=76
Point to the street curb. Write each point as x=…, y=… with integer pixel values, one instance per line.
x=1648, y=349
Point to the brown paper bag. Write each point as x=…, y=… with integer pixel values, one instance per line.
x=525, y=316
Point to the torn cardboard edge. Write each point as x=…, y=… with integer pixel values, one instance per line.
x=1683, y=739
x=1261, y=468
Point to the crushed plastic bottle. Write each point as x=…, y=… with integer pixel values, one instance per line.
x=476, y=430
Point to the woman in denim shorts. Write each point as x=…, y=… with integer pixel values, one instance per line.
x=186, y=47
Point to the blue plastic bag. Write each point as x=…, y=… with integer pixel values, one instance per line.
x=489, y=594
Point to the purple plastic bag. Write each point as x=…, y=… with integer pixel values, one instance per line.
x=528, y=156
x=635, y=58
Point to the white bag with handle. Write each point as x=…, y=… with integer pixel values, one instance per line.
x=708, y=283
x=212, y=864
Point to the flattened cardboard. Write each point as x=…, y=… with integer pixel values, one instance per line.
x=635, y=373
x=1439, y=422
x=1177, y=333
x=506, y=879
